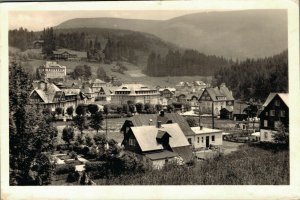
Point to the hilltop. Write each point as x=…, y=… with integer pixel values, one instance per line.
x=232, y=34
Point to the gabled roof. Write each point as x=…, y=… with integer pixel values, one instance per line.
x=48, y=93
x=219, y=92
x=146, y=136
x=143, y=120
x=106, y=90
x=283, y=96
x=86, y=89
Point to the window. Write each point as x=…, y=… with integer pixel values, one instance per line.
x=267, y=114
x=190, y=140
x=202, y=139
x=198, y=139
x=266, y=135
x=277, y=103
x=212, y=138
x=282, y=113
x=131, y=142
x=265, y=123
x=272, y=112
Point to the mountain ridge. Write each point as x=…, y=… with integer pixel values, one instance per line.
x=232, y=34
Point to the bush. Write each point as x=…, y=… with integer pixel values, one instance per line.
x=191, y=121
x=64, y=169
x=73, y=155
x=96, y=169
x=73, y=177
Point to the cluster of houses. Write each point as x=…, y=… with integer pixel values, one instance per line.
x=167, y=136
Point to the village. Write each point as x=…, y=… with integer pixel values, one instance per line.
x=117, y=103
x=190, y=122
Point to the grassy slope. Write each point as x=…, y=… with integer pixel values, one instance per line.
x=247, y=166
x=31, y=66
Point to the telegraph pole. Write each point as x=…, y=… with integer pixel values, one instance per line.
x=212, y=115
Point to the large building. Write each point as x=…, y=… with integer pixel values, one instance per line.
x=275, y=111
x=52, y=70
x=215, y=99
x=136, y=93
x=48, y=95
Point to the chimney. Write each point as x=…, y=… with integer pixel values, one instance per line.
x=201, y=127
x=158, y=124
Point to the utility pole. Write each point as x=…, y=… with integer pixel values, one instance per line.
x=199, y=117
x=106, y=126
x=212, y=115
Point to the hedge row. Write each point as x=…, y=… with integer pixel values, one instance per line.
x=64, y=169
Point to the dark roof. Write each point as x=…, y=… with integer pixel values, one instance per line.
x=161, y=155
x=184, y=152
x=142, y=120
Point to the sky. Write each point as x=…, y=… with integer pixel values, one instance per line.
x=37, y=20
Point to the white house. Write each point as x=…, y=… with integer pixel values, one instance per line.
x=203, y=137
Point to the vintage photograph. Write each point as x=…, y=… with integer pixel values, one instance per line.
x=148, y=97
x=174, y=100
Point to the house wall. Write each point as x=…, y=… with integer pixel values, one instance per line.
x=266, y=135
x=202, y=142
x=159, y=164
x=122, y=99
x=271, y=120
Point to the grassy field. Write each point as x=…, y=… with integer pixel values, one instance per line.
x=133, y=75
x=247, y=166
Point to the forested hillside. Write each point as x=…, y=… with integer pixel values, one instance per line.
x=232, y=34
x=188, y=63
x=256, y=77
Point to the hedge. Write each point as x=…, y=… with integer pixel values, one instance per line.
x=63, y=169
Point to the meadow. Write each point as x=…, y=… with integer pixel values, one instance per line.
x=247, y=166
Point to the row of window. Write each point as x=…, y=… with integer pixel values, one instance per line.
x=202, y=139
x=51, y=70
x=145, y=92
x=272, y=113
x=276, y=123
x=122, y=92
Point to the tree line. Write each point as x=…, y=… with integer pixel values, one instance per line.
x=256, y=78
x=21, y=38
x=190, y=62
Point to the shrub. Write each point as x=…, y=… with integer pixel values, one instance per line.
x=96, y=169
x=64, y=169
x=72, y=177
x=68, y=134
x=191, y=121
x=73, y=155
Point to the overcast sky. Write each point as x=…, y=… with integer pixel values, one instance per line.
x=37, y=20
